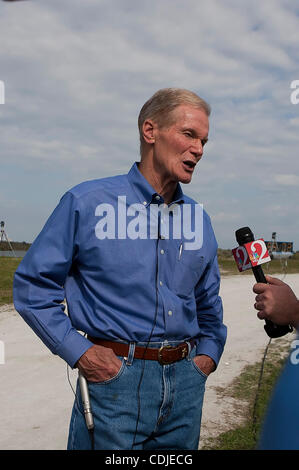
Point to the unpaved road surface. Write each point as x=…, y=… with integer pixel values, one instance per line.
x=36, y=398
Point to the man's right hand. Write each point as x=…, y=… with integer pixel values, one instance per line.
x=99, y=364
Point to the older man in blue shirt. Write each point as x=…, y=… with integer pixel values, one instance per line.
x=136, y=261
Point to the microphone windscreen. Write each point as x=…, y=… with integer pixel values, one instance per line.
x=244, y=235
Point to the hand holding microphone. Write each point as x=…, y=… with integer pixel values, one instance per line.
x=277, y=301
x=250, y=255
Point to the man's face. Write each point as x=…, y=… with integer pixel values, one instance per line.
x=178, y=148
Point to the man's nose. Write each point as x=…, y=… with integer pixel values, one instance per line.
x=197, y=149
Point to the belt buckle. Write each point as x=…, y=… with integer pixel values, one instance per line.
x=160, y=358
x=162, y=361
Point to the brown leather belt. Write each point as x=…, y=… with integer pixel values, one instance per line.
x=164, y=355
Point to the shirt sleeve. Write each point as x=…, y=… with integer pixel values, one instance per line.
x=210, y=310
x=38, y=288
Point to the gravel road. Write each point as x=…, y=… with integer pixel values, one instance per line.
x=36, y=398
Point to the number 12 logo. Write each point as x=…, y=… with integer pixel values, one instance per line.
x=251, y=254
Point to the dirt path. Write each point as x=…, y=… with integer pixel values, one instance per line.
x=246, y=343
x=36, y=398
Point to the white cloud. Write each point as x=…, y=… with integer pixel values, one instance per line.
x=76, y=75
x=226, y=217
x=287, y=180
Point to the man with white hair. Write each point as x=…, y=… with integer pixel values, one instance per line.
x=146, y=298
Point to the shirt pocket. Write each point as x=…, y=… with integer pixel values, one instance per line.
x=187, y=272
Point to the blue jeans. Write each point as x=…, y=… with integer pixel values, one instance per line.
x=170, y=401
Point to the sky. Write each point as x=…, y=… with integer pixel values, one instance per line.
x=77, y=73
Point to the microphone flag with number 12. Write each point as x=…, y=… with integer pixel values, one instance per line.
x=251, y=254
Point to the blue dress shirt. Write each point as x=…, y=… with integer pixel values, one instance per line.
x=121, y=288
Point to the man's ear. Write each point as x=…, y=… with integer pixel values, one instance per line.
x=148, y=131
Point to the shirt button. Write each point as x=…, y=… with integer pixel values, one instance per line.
x=157, y=197
x=162, y=252
x=144, y=203
x=170, y=312
x=161, y=283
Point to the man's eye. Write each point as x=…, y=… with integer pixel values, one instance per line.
x=187, y=133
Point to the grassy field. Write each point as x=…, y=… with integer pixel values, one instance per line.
x=252, y=401
x=226, y=263
x=7, y=270
x=228, y=266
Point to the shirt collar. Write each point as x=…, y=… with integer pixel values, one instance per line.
x=146, y=192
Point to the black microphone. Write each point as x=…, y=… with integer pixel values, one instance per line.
x=245, y=235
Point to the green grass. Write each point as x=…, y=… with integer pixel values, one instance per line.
x=7, y=270
x=252, y=401
x=228, y=267
x=226, y=263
